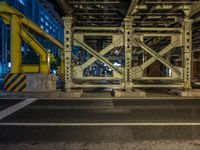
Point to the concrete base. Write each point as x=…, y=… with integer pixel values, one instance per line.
x=74, y=93
x=52, y=94
x=128, y=94
x=40, y=82
x=190, y=93
x=67, y=94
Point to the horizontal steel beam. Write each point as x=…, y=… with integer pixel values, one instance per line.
x=95, y=14
x=95, y=34
x=170, y=2
x=159, y=14
x=152, y=34
x=111, y=86
x=157, y=29
x=158, y=85
x=99, y=28
x=98, y=78
x=162, y=7
x=94, y=2
x=157, y=78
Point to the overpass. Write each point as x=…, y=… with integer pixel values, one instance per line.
x=127, y=46
x=133, y=44
x=150, y=35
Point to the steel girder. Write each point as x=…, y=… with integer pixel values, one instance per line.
x=135, y=73
x=132, y=39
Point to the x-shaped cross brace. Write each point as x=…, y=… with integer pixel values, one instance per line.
x=156, y=56
x=98, y=56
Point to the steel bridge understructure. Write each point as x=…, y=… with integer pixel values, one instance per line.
x=148, y=32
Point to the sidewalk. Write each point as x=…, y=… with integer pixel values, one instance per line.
x=87, y=95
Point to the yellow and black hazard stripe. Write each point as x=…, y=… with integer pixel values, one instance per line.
x=15, y=82
x=61, y=76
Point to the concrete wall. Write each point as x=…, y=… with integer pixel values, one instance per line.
x=40, y=82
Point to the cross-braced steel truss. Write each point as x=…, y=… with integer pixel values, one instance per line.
x=148, y=35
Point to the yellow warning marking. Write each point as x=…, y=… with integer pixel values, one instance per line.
x=15, y=82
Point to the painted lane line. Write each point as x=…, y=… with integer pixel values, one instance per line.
x=111, y=98
x=12, y=109
x=97, y=124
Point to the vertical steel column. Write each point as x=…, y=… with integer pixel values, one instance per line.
x=187, y=49
x=128, y=53
x=45, y=63
x=62, y=62
x=68, y=39
x=16, y=55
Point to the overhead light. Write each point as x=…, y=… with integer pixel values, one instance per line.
x=9, y=65
x=117, y=64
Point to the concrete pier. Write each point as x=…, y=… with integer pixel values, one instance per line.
x=190, y=93
x=40, y=82
x=129, y=94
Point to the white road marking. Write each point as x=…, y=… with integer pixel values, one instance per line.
x=122, y=98
x=113, y=98
x=97, y=124
x=12, y=109
x=12, y=98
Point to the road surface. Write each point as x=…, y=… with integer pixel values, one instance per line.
x=99, y=124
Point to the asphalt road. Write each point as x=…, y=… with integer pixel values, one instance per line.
x=102, y=124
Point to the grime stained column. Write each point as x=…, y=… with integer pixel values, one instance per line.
x=128, y=53
x=68, y=42
x=187, y=52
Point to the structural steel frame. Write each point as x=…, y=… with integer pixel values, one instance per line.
x=19, y=25
x=156, y=21
x=131, y=35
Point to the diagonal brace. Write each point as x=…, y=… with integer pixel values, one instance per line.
x=102, y=52
x=152, y=59
x=194, y=9
x=98, y=56
x=93, y=59
x=156, y=55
